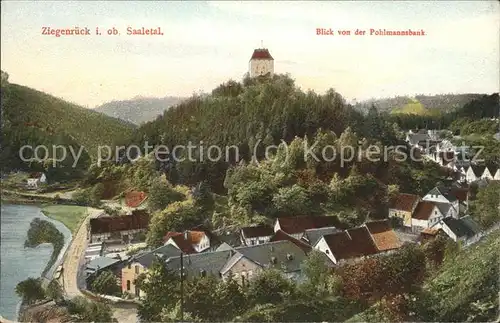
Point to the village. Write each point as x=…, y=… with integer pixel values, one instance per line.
x=111, y=240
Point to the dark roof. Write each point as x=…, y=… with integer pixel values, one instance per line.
x=281, y=235
x=314, y=235
x=287, y=256
x=139, y=219
x=478, y=170
x=445, y=191
x=298, y=224
x=35, y=175
x=404, y=202
x=164, y=252
x=464, y=227
x=423, y=210
x=210, y=262
x=384, y=237
x=100, y=263
x=460, y=193
x=351, y=243
x=257, y=231
x=444, y=208
x=261, y=53
x=415, y=138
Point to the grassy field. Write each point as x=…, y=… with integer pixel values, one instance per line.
x=69, y=215
x=414, y=107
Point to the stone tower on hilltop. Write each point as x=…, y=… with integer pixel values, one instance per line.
x=261, y=63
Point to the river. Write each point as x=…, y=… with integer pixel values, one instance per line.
x=18, y=263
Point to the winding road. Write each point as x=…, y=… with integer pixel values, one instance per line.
x=73, y=260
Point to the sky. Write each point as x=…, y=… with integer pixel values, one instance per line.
x=207, y=43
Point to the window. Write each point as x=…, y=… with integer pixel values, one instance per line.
x=327, y=251
x=137, y=269
x=128, y=284
x=129, y=266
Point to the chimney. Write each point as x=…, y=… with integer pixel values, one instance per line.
x=186, y=235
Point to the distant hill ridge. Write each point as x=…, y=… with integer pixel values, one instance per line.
x=138, y=109
x=419, y=104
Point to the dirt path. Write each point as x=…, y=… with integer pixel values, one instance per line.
x=73, y=261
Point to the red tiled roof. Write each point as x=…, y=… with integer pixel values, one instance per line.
x=257, y=231
x=404, y=202
x=108, y=224
x=194, y=237
x=261, y=53
x=281, y=236
x=351, y=243
x=35, y=175
x=423, y=210
x=183, y=244
x=134, y=198
x=385, y=238
x=298, y=224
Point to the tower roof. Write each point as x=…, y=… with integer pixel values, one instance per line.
x=261, y=53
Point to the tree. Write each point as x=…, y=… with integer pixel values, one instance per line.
x=106, y=284
x=291, y=200
x=198, y=301
x=161, y=194
x=30, y=290
x=269, y=287
x=231, y=299
x=486, y=208
x=84, y=310
x=320, y=280
x=54, y=291
x=161, y=289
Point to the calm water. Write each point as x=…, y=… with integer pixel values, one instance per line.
x=18, y=263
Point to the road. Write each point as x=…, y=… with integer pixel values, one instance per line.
x=72, y=262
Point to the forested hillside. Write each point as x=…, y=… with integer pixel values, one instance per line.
x=31, y=117
x=138, y=110
x=433, y=104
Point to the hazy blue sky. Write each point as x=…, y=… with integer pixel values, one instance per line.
x=207, y=43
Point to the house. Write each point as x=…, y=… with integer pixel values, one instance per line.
x=442, y=195
x=402, y=206
x=491, y=172
x=474, y=173
x=296, y=226
x=311, y=236
x=383, y=235
x=428, y=234
x=462, y=195
x=201, y=264
x=134, y=199
x=413, y=139
x=464, y=229
x=189, y=241
x=248, y=261
x=281, y=235
x=347, y=245
x=140, y=264
x=35, y=179
x=426, y=215
x=123, y=228
x=98, y=265
x=256, y=235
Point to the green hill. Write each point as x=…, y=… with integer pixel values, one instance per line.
x=31, y=117
x=414, y=107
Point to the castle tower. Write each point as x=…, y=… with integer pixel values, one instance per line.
x=261, y=63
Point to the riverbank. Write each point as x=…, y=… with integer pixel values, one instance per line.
x=19, y=263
